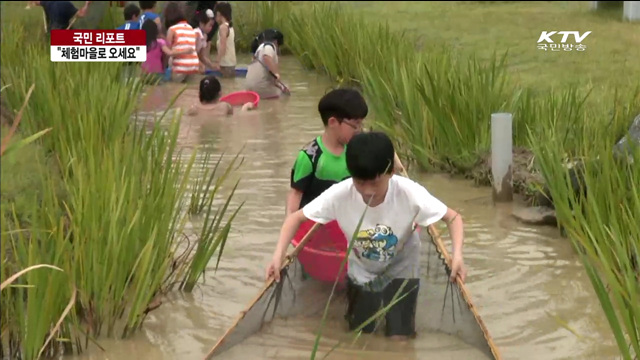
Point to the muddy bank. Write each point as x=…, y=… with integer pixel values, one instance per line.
x=529, y=182
x=527, y=179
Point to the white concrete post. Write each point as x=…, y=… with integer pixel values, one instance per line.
x=502, y=156
x=631, y=10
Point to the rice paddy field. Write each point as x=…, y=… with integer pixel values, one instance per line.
x=433, y=73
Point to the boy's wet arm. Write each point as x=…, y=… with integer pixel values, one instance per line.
x=453, y=219
x=291, y=224
x=293, y=200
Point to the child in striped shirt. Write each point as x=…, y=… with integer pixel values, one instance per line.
x=180, y=37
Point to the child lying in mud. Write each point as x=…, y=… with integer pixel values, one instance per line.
x=386, y=251
x=210, y=91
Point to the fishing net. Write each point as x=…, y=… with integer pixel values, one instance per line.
x=275, y=299
x=446, y=306
x=443, y=306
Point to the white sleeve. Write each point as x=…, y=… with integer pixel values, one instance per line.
x=268, y=51
x=323, y=208
x=429, y=208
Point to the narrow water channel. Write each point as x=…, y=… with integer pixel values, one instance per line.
x=526, y=281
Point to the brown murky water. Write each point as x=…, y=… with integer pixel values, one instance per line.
x=526, y=282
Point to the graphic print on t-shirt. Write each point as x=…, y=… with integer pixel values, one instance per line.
x=312, y=150
x=377, y=244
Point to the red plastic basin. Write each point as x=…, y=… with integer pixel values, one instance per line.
x=322, y=257
x=240, y=98
x=324, y=252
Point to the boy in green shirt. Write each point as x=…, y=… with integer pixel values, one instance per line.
x=321, y=163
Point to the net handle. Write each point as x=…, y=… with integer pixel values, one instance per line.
x=435, y=235
x=286, y=262
x=437, y=240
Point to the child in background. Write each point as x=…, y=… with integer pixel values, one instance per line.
x=205, y=7
x=321, y=163
x=181, y=38
x=148, y=13
x=226, y=45
x=156, y=47
x=209, y=96
x=58, y=14
x=263, y=72
x=131, y=14
x=386, y=251
x=205, y=24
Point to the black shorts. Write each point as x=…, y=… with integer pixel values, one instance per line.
x=400, y=319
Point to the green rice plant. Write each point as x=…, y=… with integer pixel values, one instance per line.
x=200, y=195
x=436, y=110
x=7, y=145
x=34, y=342
x=563, y=110
x=101, y=15
x=32, y=19
x=601, y=219
x=399, y=110
x=460, y=99
x=43, y=292
x=201, y=186
x=117, y=231
x=257, y=16
x=343, y=45
x=435, y=104
x=437, y=107
x=91, y=125
x=212, y=237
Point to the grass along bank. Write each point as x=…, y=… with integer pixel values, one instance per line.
x=478, y=28
x=437, y=106
x=602, y=223
x=112, y=202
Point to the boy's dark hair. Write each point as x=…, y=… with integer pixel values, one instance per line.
x=173, y=14
x=224, y=8
x=203, y=18
x=147, y=5
x=369, y=155
x=342, y=104
x=209, y=89
x=130, y=11
x=268, y=36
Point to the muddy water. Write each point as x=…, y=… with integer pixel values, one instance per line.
x=526, y=282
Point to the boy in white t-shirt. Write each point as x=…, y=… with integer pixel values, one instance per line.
x=387, y=247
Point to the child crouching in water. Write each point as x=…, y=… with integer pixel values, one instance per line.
x=157, y=51
x=209, y=99
x=386, y=251
x=181, y=36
